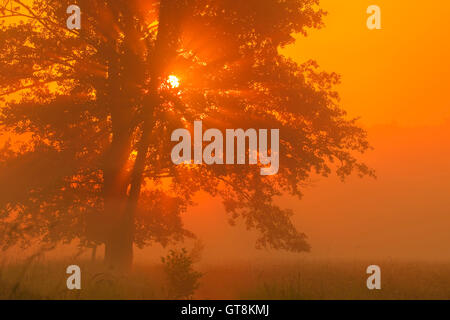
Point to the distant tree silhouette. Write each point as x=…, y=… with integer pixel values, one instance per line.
x=90, y=114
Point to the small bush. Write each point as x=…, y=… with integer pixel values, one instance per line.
x=183, y=280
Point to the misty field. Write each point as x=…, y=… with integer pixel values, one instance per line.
x=347, y=280
x=287, y=280
x=47, y=280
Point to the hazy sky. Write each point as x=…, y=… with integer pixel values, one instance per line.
x=398, y=74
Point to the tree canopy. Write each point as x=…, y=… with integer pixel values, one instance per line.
x=90, y=112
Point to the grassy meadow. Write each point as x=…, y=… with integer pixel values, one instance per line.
x=47, y=280
x=42, y=279
x=347, y=280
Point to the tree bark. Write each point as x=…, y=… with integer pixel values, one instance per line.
x=119, y=245
x=170, y=14
x=94, y=253
x=116, y=227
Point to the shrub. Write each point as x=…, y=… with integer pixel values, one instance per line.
x=183, y=280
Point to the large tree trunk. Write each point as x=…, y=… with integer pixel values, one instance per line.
x=119, y=249
x=94, y=253
x=117, y=225
x=122, y=207
x=169, y=30
x=117, y=228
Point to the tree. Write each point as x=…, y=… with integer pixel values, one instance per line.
x=90, y=112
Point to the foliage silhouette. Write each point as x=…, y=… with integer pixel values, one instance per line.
x=89, y=114
x=182, y=279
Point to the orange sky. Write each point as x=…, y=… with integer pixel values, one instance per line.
x=403, y=214
x=397, y=80
x=398, y=74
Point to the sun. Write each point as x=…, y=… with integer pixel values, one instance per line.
x=173, y=81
